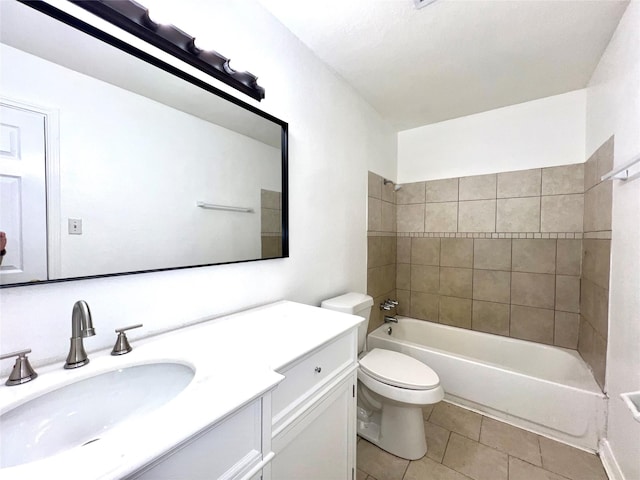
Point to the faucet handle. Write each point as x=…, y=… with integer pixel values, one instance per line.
x=22, y=371
x=122, y=344
x=391, y=302
x=385, y=306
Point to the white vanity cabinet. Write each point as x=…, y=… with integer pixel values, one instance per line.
x=314, y=414
x=237, y=448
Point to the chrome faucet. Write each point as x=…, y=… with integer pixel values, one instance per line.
x=389, y=319
x=81, y=327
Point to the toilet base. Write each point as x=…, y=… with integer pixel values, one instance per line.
x=397, y=429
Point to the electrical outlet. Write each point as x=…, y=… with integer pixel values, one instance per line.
x=75, y=226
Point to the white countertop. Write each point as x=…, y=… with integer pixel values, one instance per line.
x=236, y=359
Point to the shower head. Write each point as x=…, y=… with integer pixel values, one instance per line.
x=395, y=186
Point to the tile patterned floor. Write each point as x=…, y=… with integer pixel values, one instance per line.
x=464, y=445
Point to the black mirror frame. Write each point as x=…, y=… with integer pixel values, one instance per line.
x=84, y=27
x=134, y=18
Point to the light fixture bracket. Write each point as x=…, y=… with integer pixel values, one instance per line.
x=134, y=19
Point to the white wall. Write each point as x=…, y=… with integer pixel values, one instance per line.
x=540, y=133
x=334, y=137
x=613, y=108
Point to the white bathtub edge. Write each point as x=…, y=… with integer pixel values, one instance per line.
x=609, y=461
x=586, y=444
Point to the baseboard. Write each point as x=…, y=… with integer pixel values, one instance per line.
x=609, y=461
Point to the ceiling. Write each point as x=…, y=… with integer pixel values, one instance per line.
x=454, y=57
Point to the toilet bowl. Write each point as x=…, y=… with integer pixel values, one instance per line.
x=392, y=389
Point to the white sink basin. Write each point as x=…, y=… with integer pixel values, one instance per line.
x=79, y=413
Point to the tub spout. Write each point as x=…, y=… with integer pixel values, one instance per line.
x=388, y=319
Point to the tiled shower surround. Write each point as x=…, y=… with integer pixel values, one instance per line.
x=500, y=253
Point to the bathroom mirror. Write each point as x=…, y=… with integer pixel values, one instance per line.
x=114, y=162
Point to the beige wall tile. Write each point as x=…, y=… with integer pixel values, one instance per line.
x=512, y=440
x=518, y=215
x=569, y=257
x=478, y=187
x=594, y=306
x=374, y=185
x=525, y=183
x=270, y=220
x=376, y=318
x=381, y=280
x=456, y=282
x=477, y=216
x=566, y=328
x=534, y=255
x=591, y=171
x=492, y=254
x=562, y=213
x=598, y=207
x=491, y=286
x=568, y=293
x=403, y=249
x=389, y=192
x=425, y=278
x=424, y=306
x=270, y=199
x=457, y=419
x=425, y=251
x=571, y=462
x=456, y=252
x=426, y=468
x=442, y=190
x=533, y=290
x=380, y=251
x=535, y=324
x=404, y=302
x=596, y=259
x=490, y=317
x=441, y=217
x=271, y=247
x=563, y=180
x=475, y=459
x=585, y=340
x=374, y=215
x=455, y=311
x=403, y=276
x=374, y=252
x=388, y=217
x=410, y=193
x=410, y=218
x=599, y=363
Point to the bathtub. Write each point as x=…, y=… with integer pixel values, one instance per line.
x=545, y=389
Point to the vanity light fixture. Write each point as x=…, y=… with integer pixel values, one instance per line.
x=135, y=19
x=422, y=3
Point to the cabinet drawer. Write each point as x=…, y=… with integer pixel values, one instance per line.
x=309, y=374
x=225, y=451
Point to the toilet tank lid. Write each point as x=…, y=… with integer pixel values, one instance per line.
x=348, y=303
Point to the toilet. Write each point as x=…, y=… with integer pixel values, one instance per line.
x=392, y=389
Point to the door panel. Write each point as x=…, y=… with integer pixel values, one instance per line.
x=23, y=195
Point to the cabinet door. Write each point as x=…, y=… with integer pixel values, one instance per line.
x=320, y=445
x=225, y=451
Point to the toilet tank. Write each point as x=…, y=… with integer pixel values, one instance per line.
x=356, y=304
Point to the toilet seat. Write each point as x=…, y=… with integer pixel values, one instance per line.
x=398, y=370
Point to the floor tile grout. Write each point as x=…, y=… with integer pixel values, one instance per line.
x=483, y=426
